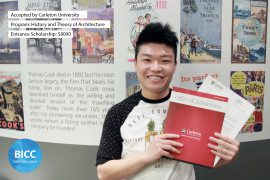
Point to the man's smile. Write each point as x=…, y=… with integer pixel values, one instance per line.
x=155, y=77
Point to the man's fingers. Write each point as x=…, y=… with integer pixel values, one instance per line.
x=222, y=156
x=169, y=136
x=165, y=144
x=226, y=148
x=224, y=144
x=227, y=139
x=222, y=150
x=173, y=143
x=167, y=154
x=170, y=148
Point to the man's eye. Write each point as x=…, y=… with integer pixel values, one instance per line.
x=166, y=61
x=146, y=60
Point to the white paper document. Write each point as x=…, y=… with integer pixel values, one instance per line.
x=238, y=112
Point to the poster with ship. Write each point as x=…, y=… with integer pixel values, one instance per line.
x=11, y=101
x=44, y=50
x=132, y=83
x=141, y=13
x=250, y=85
x=9, y=47
x=249, y=31
x=200, y=31
x=94, y=45
x=193, y=79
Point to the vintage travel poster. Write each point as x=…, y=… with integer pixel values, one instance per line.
x=249, y=31
x=44, y=50
x=250, y=86
x=11, y=101
x=132, y=83
x=94, y=45
x=200, y=31
x=138, y=15
x=9, y=47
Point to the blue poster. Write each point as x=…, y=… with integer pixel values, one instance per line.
x=200, y=31
x=249, y=31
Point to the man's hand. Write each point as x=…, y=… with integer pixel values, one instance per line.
x=124, y=168
x=161, y=146
x=227, y=148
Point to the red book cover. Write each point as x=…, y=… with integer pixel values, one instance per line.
x=195, y=116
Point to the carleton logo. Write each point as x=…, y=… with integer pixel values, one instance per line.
x=191, y=133
x=184, y=130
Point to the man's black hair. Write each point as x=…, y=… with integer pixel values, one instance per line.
x=157, y=33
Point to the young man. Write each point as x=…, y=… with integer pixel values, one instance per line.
x=132, y=145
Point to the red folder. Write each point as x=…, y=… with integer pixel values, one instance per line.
x=195, y=116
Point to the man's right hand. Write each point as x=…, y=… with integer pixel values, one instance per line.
x=162, y=145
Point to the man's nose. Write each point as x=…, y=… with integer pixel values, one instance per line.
x=155, y=66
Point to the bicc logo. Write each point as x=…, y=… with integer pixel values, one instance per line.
x=24, y=155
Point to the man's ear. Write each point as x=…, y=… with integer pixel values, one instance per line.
x=135, y=63
x=174, y=67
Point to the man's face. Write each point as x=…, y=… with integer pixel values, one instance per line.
x=155, y=66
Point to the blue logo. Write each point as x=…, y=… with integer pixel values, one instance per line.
x=24, y=155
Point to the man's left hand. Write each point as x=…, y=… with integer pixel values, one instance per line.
x=226, y=148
